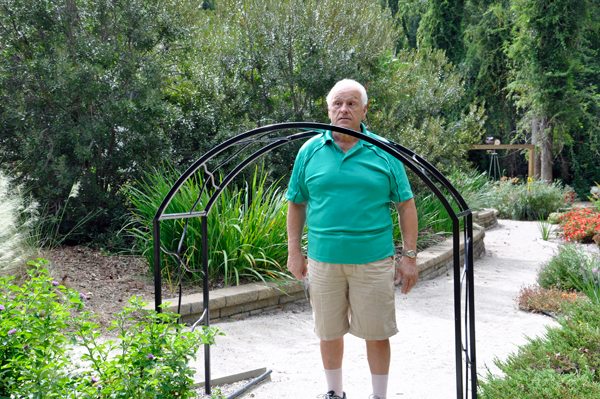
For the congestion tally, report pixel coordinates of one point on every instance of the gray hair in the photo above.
(348, 83)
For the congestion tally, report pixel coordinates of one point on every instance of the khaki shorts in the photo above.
(358, 299)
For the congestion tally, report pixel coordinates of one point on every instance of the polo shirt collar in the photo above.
(328, 135)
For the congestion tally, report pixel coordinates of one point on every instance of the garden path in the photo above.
(423, 351)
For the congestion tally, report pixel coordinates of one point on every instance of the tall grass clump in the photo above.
(532, 200)
(433, 217)
(246, 227)
(17, 219)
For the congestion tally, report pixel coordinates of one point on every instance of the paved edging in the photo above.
(486, 218)
(250, 299)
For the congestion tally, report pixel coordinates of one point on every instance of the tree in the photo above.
(409, 103)
(284, 56)
(551, 65)
(441, 28)
(487, 65)
(81, 98)
(408, 15)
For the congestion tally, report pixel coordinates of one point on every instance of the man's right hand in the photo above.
(297, 265)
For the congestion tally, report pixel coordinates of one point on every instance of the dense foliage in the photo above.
(570, 262)
(247, 228)
(92, 94)
(41, 322)
(561, 364)
(533, 200)
(82, 98)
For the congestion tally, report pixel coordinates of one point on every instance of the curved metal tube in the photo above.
(411, 160)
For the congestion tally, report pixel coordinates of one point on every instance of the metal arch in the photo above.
(414, 162)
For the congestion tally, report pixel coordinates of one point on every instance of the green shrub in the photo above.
(561, 364)
(532, 200)
(553, 218)
(246, 227)
(595, 198)
(473, 186)
(40, 322)
(571, 261)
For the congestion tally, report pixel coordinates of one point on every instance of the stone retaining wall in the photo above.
(486, 218)
(254, 298)
(438, 260)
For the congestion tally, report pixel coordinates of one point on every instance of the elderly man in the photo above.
(342, 187)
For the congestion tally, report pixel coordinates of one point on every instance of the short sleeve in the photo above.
(401, 190)
(297, 191)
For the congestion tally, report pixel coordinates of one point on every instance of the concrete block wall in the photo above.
(486, 218)
(250, 299)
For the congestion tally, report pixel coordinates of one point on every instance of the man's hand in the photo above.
(297, 265)
(408, 273)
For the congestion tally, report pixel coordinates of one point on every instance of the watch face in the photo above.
(410, 254)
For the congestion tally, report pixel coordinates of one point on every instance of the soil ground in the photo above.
(107, 281)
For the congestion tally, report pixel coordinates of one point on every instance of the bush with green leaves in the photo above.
(41, 322)
(152, 354)
(82, 99)
(532, 200)
(562, 364)
(32, 317)
(411, 101)
(246, 227)
(570, 261)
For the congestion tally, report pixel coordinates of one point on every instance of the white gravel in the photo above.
(423, 364)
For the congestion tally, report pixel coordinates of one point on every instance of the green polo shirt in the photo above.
(348, 194)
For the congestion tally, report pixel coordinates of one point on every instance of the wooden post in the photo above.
(532, 162)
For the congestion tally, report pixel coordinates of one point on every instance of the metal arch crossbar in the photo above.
(435, 180)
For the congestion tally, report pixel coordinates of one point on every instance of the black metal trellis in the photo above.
(264, 135)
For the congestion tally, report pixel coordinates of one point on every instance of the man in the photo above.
(342, 187)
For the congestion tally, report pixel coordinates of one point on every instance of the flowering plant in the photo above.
(537, 299)
(580, 224)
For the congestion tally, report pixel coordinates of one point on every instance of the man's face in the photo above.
(346, 109)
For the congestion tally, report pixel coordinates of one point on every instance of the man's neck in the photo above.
(344, 141)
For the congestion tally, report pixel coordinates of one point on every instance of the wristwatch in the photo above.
(411, 254)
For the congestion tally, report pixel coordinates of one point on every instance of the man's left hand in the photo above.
(408, 273)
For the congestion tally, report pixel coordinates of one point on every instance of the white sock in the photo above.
(334, 381)
(380, 383)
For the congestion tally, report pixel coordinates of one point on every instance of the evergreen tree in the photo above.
(551, 63)
(81, 99)
(441, 28)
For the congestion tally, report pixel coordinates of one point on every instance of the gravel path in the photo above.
(423, 351)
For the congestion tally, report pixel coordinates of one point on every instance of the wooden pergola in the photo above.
(529, 147)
